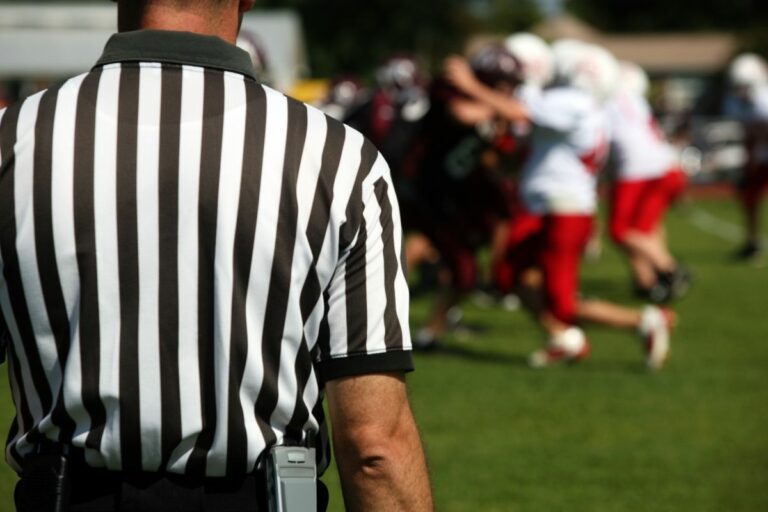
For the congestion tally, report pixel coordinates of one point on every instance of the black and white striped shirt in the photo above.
(187, 256)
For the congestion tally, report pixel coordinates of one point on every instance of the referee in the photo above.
(190, 262)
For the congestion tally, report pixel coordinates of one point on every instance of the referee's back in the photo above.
(187, 256)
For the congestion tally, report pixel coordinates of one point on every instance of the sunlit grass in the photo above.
(603, 435)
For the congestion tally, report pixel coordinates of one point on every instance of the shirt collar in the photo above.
(176, 48)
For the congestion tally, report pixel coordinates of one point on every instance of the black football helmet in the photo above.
(494, 65)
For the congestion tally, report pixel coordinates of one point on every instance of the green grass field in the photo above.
(603, 435)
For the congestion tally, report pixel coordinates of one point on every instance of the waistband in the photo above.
(77, 464)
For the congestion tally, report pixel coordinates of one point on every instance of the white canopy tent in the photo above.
(58, 40)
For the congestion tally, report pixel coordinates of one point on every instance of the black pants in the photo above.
(94, 490)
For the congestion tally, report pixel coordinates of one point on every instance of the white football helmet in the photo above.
(565, 53)
(588, 67)
(535, 56)
(748, 70)
(632, 79)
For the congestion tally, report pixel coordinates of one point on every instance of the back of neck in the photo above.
(161, 16)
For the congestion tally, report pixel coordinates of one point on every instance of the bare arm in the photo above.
(458, 73)
(378, 451)
(470, 112)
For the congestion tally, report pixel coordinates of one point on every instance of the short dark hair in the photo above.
(182, 3)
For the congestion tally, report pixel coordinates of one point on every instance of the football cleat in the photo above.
(681, 281)
(570, 346)
(750, 253)
(655, 327)
(661, 291)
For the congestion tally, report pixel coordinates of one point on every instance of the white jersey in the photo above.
(751, 111)
(568, 144)
(641, 151)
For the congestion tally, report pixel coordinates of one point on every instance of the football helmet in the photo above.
(633, 79)
(588, 67)
(248, 41)
(535, 56)
(748, 70)
(400, 72)
(494, 65)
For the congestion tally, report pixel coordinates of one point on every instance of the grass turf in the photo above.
(603, 435)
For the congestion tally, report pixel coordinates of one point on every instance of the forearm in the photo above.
(377, 445)
(507, 107)
(460, 75)
(392, 478)
(499, 241)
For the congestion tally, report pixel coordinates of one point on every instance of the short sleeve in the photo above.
(5, 338)
(2, 114)
(367, 298)
(4, 334)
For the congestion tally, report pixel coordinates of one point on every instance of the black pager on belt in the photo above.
(45, 483)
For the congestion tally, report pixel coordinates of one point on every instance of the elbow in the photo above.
(372, 453)
(376, 466)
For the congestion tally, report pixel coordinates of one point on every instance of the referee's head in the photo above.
(213, 17)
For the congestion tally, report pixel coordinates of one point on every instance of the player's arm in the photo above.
(470, 112)
(378, 451)
(500, 241)
(458, 73)
(377, 446)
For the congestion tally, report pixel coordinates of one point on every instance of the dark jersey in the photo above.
(458, 178)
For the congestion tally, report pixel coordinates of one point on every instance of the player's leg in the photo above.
(751, 194)
(459, 258)
(652, 324)
(514, 249)
(422, 258)
(418, 249)
(675, 184)
(565, 238)
(656, 199)
(626, 201)
(658, 275)
(608, 314)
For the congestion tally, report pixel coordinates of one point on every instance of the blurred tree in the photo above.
(748, 17)
(354, 36)
(505, 16)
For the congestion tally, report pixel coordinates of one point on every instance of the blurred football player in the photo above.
(345, 94)
(462, 195)
(647, 179)
(569, 143)
(747, 102)
(251, 43)
(391, 116)
(537, 71)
